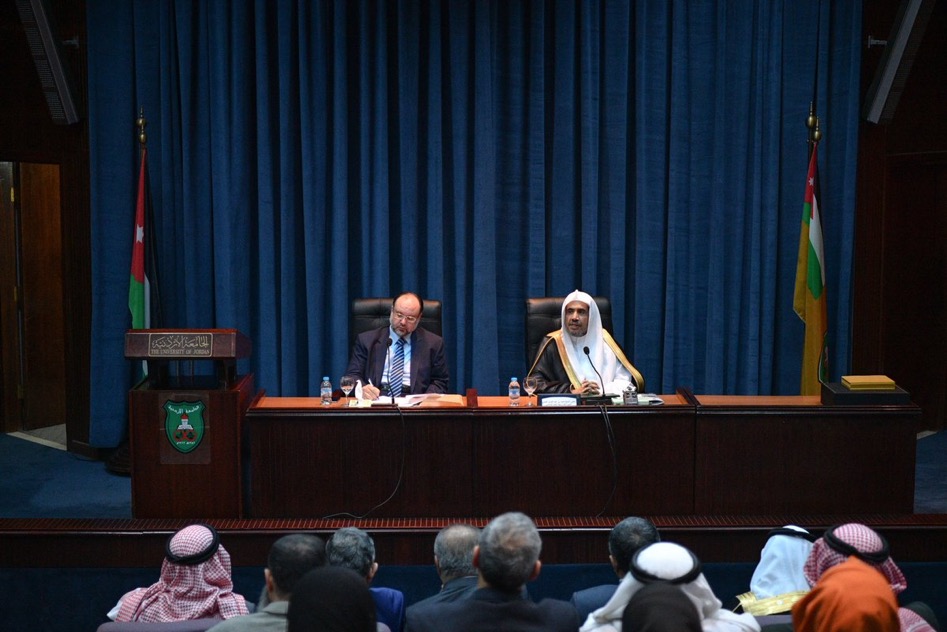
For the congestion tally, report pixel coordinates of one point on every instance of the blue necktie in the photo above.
(397, 369)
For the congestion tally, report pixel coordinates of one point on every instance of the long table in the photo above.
(692, 455)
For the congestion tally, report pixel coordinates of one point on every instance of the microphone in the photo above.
(600, 380)
(391, 393)
(601, 398)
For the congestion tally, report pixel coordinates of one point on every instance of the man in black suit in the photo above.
(453, 557)
(625, 539)
(506, 558)
(416, 361)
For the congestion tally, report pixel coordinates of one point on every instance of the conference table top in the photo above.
(266, 402)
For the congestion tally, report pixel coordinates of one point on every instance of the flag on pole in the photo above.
(138, 286)
(809, 300)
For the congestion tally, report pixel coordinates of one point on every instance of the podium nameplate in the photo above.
(186, 344)
(159, 347)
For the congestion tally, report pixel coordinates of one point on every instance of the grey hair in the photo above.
(509, 549)
(350, 547)
(454, 546)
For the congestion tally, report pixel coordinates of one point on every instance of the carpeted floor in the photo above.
(43, 481)
(40, 481)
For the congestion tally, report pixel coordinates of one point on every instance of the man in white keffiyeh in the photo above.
(778, 581)
(571, 358)
(673, 564)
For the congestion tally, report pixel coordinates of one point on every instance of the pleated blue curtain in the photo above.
(306, 153)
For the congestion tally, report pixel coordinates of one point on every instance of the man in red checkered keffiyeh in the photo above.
(843, 541)
(195, 582)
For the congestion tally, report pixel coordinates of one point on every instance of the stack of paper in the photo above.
(868, 383)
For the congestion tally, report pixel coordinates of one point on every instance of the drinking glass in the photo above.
(347, 383)
(530, 386)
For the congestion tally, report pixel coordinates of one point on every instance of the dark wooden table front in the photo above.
(305, 460)
(724, 455)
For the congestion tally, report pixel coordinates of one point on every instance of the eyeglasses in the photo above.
(408, 319)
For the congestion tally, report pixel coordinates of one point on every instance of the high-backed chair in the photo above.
(544, 314)
(372, 313)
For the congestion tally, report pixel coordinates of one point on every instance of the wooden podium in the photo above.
(185, 430)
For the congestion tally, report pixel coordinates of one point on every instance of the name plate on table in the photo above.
(558, 399)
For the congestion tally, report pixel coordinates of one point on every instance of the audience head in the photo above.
(664, 562)
(454, 549)
(781, 561)
(195, 582)
(839, 543)
(660, 607)
(352, 548)
(670, 563)
(331, 599)
(852, 595)
(508, 554)
(291, 557)
(626, 538)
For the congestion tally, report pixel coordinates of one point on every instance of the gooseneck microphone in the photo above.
(601, 382)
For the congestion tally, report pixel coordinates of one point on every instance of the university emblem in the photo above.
(184, 424)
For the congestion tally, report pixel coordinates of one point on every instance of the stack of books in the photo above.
(864, 389)
(868, 383)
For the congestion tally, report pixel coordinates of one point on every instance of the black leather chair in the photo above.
(544, 314)
(372, 313)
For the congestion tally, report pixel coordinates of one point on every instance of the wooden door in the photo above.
(31, 298)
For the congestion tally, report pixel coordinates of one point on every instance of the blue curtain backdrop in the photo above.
(304, 153)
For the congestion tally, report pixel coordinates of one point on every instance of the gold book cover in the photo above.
(868, 382)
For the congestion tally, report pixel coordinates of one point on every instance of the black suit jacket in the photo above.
(454, 590)
(428, 360)
(488, 609)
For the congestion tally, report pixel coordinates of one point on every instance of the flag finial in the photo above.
(812, 122)
(141, 123)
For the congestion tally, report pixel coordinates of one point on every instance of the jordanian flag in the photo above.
(138, 290)
(809, 300)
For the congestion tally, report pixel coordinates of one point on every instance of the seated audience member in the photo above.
(506, 557)
(195, 583)
(354, 549)
(839, 543)
(778, 581)
(660, 607)
(331, 599)
(625, 539)
(669, 563)
(562, 364)
(418, 356)
(850, 596)
(291, 557)
(453, 559)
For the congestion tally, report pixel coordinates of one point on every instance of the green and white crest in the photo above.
(184, 424)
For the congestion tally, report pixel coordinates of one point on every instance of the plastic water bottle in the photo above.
(514, 392)
(326, 391)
